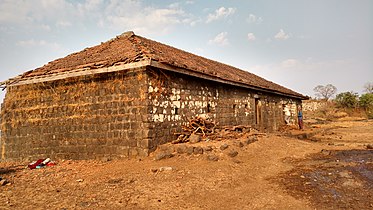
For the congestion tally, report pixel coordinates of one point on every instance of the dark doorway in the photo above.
(258, 112)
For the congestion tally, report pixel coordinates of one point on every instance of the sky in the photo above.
(295, 43)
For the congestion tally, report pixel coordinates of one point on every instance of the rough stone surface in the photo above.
(190, 150)
(194, 138)
(198, 150)
(212, 157)
(181, 149)
(208, 149)
(163, 155)
(123, 114)
(224, 146)
(232, 153)
(251, 139)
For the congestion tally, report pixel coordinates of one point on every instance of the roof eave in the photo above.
(220, 80)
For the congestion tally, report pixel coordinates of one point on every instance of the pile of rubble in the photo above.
(203, 136)
(199, 128)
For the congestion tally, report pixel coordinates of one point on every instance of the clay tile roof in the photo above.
(129, 48)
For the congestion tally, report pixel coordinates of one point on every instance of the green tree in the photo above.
(347, 99)
(366, 100)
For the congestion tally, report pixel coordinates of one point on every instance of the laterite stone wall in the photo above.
(80, 118)
(174, 98)
(124, 114)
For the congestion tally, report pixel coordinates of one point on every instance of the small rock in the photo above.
(212, 157)
(208, 149)
(251, 139)
(224, 146)
(106, 159)
(303, 177)
(198, 150)
(236, 161)
(325, 152)
(194, 138)
(154, 170)
(3, 182)
(240, 144)
(190, 150)
(166, 168)
(80, 180)
(370, 146)
(163, 155)
(181, 149)
(233, 153)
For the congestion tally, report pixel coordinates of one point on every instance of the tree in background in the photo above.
(366, 100)
(368, 87)
(325, 92)
(347, 99)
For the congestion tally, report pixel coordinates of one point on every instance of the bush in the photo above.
(347, 99)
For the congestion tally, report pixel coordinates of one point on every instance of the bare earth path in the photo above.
(257, 178)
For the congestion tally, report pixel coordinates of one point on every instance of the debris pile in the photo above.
(197, 125)
(199, 128)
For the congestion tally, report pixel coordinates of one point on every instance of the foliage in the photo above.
(368, 87)
(347, 99)
(325, 92)
(366, 100)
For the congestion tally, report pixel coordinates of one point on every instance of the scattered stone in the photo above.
(212, 157)
(166, 168)
(106, 159)
(181, 149)
(325, 152)
(3, 182)
(236, 161)
(240, 144)
(232, 153)
(303, 177)
(208, 149)
(154, 170)
(194, 138)
(115, 181)
(163, 155)
(251, 139)
(80, 180)
(190, 150)
(370, 146)
(198, 150)
(224, 146)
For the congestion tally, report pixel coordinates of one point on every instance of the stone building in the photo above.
(125, 96)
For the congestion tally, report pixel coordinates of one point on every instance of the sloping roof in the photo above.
(129, 48)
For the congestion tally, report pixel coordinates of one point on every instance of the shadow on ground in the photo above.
(333, 179)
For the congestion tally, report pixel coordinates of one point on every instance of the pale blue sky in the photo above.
(296, 43)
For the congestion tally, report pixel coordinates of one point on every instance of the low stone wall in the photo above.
(313, 105)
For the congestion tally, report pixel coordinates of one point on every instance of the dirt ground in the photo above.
(326, 166)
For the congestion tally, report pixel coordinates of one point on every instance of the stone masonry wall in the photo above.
(81, 118)
(174, 98)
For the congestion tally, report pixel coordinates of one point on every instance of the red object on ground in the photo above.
(51, 164)
(34, 164)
